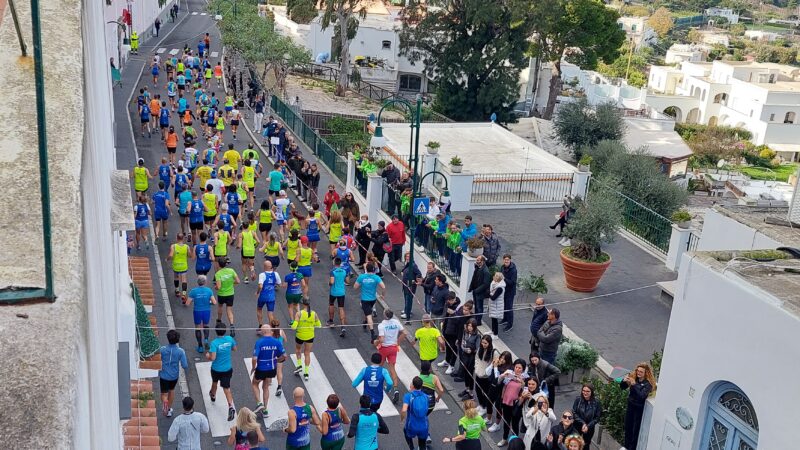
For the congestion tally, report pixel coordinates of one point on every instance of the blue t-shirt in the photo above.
(172, 358)
(367, 431)
(180, 180)
(337, 288)
(145, 114)
(369, 286)
(160, 199)
(202, 255)
(182, 105)
(268, 349)
(196, 213)
(374, 378)
(142, 212)
(293, 283)
(222, 346)
(211, 116)
(275, 178)
(414, 423)
(163, 118)
(270, 280)
(184, 199)
(344, 255)
(201, 298)
(232, 198)
(225, 219)
(165, 174)
(172, 88)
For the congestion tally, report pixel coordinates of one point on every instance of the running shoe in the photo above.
(396, 397)
(298, 370)
(442, 363)
(169, 413)
(200, 349)
(206, 346)
(233, 331)
(279, 391)
(212, 395)
(343, 333)
(329, 323)
(231, 413)
(259, 408)
(246, 280)
(305, 377)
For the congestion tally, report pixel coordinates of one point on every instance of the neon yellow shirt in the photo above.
(180, 258)
(306, 324)
(428, 342)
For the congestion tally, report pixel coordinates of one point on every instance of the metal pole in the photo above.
(22, 47)
(414, 184)
(41, 123)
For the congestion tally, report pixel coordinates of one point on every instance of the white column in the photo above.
(580, 183)
(351, 175)
(374, 194)
(460, 186)
(467, 269)
(428, 166)
(678, 242)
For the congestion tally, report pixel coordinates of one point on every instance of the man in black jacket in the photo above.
(428, 282)
(451, 329)
(363, 239)
(439, 295)
(550, 336)
(411, 278)
(509, 270)
(479, 286)
(538, 319)
(391, 175)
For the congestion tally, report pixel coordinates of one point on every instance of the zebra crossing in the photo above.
(318, 387)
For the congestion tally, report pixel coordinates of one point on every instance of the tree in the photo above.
(343, 14)
(714, 143)
(635, 71)
(301, 11)
(661, 21)
(579, 125)
(694, 36)
(582, 31)
(473, 51)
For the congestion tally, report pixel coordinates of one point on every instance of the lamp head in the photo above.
(377, 140)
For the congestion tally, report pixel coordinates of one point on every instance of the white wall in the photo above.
(714, 336)
(144, 14)
(723, 233)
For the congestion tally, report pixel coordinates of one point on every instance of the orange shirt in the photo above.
(187, 117)
(172, 140)
(155, 107)
(218, 71)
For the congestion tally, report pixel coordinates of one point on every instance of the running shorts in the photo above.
(224, 378)
(203, 317)
(338, 299)
(367, 306)
(226, 300)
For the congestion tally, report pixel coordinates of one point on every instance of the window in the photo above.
(772, 117)
(410, 83)
(731, 422)
(633, 27)
(386, 45)
(789, 117)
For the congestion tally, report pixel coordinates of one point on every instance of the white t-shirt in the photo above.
(282, 203)
(389, 330)
(262, 277)
(217, 185)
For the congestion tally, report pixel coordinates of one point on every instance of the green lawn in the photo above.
(780, 173)
(775, 28)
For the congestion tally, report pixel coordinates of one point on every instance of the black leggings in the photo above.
(510, 420)
(482, 390)
(495, 327)
(420, 441)
(450, 348)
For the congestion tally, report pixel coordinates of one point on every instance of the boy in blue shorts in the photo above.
(162, 208)
(202, 297)
(295, 287)
(268, 281)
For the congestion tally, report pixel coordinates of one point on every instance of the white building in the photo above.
(378, 37)
(713, 37)
(761, 35)
(679, 53)
(734, 320)
(728, 13)
(637, 30)
(763, 98)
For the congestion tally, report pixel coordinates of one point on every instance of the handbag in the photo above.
(387, 247)
(544, 390)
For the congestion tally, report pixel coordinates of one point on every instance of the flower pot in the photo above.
(583, 167)
(564, 378)
(579, 374)
(582, 276)
(475, 252)
(456, 168)
(432, 150)
(685, 225)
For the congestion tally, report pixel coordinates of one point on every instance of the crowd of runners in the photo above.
(211, 185)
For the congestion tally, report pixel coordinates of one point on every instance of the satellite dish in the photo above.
(721, 163)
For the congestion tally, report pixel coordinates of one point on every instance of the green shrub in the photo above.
(342, 125)
(574, 355)
(766, 152)
(687, 130)
(681, 215)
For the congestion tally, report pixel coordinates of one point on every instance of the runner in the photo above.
(210, 201)
(369, 283)
(376, 380)
(184, 201)
(155, 112)
(268, 281)
(203, 173)
(265, 215)
(226, 280)
(431, 386)
(226, 173)
(162, 210)
(304, 257)
(203, 256)
(172, 92)
(430, 340)
(301, 416)
(203, 298)
(278, 334)
(163, 120)
(315, 221)
(232, 201)
(220, 127)
(332, 422)
(171, 142)
(365, 426)
(216, 184)
(415, 415)
(207, 77)
(337, 294)
(179, 253)
(211, 120)
(469, 429)
(183, 180)
(275, 179)
(295, 287)
(141, 177)
(267, 353)
(154, 70)
(196, 210)
(233, 157)
(335, 230)
(218, 74)
(283, 208)
(228, 106)
(236, 117)
(172, 359)
(292, 245)
(346, 256)
(247, 242)
(390, 333)
(221, 368)
(249, 178)
(142, 221)
(305, 322)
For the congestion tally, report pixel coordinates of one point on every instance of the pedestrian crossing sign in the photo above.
(421, 206)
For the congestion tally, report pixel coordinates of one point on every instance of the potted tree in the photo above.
(432, 147)
(682, 218)
(532, 284)
(595, 223)
(456, 164)
(475, 246)
(584, 162)
(575, 359)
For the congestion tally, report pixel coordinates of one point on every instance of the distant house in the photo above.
(731, 15)
(659, 138)
(760, 35)
(636, 29)
(679, 53)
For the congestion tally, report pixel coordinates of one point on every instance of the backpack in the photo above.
(419, 405)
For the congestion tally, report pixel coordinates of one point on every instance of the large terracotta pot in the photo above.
(582, 276)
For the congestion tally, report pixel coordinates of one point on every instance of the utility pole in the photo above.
(630, 56)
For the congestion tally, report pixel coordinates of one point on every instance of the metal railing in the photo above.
(326, 154)
(694, 240)
(493, 188)
(644, 223)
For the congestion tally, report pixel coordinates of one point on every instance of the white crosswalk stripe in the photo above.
(203, 14)
(214, 54)
(407, 370)
(277, 407)
(174, 51)
(353, 363)
(194, 13)
(217, 412)
(318, 387)
(161, 50)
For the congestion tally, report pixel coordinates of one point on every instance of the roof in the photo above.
(657, 136)
(483, 147)
(780, 86)
(756, 218)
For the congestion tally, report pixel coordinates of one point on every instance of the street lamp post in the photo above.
(379, 141)
(219, 11)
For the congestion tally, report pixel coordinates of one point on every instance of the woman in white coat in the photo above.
(539, 420)
(496, 290)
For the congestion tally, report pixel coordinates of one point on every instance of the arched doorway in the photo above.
(694, 115)
(675, 112)
(730, 420)
(712, 121)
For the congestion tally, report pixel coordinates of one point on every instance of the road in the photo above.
(335, 357)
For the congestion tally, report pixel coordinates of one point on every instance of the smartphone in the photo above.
(540, 404)
(525, 389)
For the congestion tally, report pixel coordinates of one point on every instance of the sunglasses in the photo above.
(566, 417)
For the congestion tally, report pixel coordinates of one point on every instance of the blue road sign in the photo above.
(421, 206)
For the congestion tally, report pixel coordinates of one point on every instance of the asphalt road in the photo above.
(443, 422)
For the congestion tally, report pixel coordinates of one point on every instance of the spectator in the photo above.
(558, 434)
(538, 319)
(479, 286)
(470, 231)
(439, 295)
(391, 175)
(509, 270)
(303, 179)
(642, 383)
(350, 210)
(380, 242)
(491, 245)
(331, 198)
(538, 420)
(411, 277)
(587, 412)
(187, 427)
(363, 232)
(546, 374)
(313, 184)
(452, 327)
(496, 290)
(428, 282)
(397, 237)
(258, 118)
(550, 336)
(468, 347)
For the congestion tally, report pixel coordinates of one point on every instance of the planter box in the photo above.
(565, 378)
(579, 374)
(475, 252)
(456, 169)
(603, 441)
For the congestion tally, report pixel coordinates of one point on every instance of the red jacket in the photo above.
(329, 200)
(396, 232)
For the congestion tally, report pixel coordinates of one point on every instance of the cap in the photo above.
(304, 239)
(140, 161)
(282, 192)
